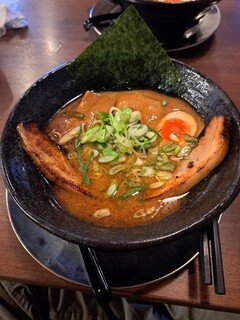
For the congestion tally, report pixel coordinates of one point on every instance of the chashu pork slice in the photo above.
(209, 153)
(50, 160)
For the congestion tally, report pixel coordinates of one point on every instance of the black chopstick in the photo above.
(211, 236)
(205, 258)
(217, 259)
(97, 279)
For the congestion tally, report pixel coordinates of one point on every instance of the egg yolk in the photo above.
(173, 129)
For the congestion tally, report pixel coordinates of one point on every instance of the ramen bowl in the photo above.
(170, 21)
(34, 195)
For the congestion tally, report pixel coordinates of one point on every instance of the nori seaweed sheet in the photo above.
(126, 55)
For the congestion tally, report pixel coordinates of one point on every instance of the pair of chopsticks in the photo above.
(211, 257)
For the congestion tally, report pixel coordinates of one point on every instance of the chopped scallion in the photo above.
(77, 145)
(164, 103)
(169, 147)
(133, 191)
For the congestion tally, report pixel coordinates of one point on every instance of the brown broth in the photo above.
(128, 213)
(107, 211)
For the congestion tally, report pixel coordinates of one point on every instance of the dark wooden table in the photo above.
(55, 35)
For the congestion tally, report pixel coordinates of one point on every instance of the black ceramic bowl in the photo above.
(33, 194)
(168, 20)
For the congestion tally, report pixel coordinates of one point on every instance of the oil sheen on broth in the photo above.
(118, 173)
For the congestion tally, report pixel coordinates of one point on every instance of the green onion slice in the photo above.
(169, 147)
(133, 191)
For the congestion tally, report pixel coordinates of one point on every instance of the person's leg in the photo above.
(21, 302)
(186, 313)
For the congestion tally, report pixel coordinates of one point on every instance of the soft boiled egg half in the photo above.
(175, 124)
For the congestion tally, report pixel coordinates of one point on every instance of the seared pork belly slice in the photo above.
(50, 160)
(209, 153)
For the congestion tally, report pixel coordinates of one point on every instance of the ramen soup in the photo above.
(125, 145)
